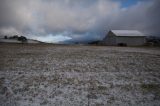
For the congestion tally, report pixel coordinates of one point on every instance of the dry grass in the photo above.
(79, 75)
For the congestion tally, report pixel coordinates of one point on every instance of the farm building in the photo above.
(124, 38)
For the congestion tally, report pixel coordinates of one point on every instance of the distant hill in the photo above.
(154, 40)
(2, 40)
(17, 39)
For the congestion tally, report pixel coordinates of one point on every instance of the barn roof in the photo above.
(127, 33)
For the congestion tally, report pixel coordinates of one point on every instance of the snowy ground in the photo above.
(48, 75)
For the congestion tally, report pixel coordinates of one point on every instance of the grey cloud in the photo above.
(81, 19)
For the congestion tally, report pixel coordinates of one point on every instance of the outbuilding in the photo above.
(124, 38)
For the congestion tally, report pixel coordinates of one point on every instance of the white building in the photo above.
(124, 37)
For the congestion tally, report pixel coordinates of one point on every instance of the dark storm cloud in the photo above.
(153, 15)
(77, 19)
(144, 17)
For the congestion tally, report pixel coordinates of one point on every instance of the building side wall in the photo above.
(110, 39)
(131, 41)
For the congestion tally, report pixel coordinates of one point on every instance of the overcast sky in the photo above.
(58, 20)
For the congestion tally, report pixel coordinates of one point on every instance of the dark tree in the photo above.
(5, 37)
(22, 39)
(15, 37)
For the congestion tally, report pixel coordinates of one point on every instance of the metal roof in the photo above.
(127, 33)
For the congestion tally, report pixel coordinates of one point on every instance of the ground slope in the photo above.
(51, 75)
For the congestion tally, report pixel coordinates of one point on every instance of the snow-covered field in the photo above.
(48, 75)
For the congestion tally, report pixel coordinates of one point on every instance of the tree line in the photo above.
(23, 39)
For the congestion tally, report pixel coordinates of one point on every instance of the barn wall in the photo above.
(110, 39)
(131, 41)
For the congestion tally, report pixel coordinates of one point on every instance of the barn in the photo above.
(124, 37)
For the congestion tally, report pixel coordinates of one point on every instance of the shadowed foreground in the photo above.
(51, 75)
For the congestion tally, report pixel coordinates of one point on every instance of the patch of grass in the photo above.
(111, 99)
(151, 88)
(127, 87)
(99, 104)
(102, 88)
(92, 96)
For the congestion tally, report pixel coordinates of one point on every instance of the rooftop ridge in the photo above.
(127, 33)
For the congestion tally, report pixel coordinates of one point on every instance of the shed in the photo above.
(124, 37)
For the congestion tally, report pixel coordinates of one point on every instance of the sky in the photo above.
(128, 3)
(77, 20)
